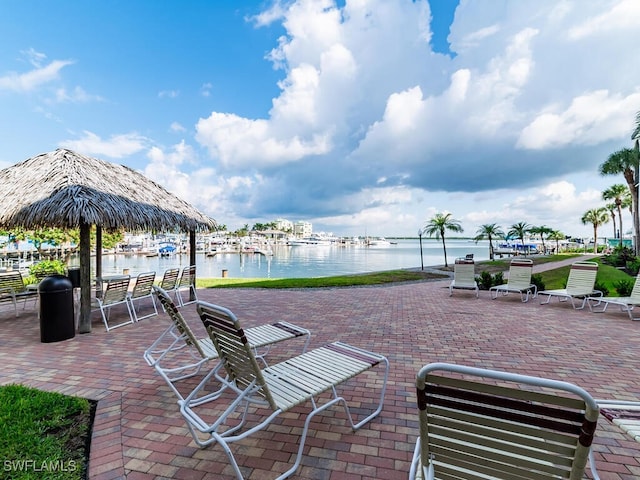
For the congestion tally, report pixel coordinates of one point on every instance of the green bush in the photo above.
(624, 287)
(42, 269)
(633, 266)
(619, 257)
(536, 279)
(601, 287)
(486, 280)
(498, 279)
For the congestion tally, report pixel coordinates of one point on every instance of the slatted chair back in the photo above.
(520, 271)
(115, 290)
(180, 324)
(170, 279)
(142, 289)
(464, 276)
(12, 288)
(187, 282)
(234, 350)
(143, 285)
(477, 423)
(635, 293)
(582, 278)
(12, 281)
(464, 272)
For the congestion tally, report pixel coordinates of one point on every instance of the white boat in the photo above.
(378, 242)
(312, 240)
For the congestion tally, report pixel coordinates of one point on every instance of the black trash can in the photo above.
(57, 321)
(74, 276)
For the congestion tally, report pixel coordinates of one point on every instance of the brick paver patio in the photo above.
(139, 434)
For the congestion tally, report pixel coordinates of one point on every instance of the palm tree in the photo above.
(489, 231)
(596, 217)
(625, 162)
(616, 193)
(542, 231)
(519, 230)
(437, 226)
(611, 208)
(556, 235)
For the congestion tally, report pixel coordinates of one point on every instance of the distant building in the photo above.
(284, 225)
(302, 229)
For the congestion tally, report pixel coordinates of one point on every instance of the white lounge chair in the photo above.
(519, 280)
(624, 414)
(485, 424)
(626, 303)
(275, 389)
(464, 276)
(115, 291)
(178, 354)
(580, 285)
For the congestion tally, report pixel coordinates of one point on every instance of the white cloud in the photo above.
(616, 17)
(590, 119)
(176, 127)
(365, 108)
(77, 95)
(117, 146)
(169, 94)
(31, 80)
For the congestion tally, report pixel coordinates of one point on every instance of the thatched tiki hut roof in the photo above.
(68, 190)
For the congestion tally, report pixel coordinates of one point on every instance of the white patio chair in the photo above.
(143, 289)
(179, 354)
(580, 285)
(275, 389)
(519, 280)
(625, 414)
(485, 424)
(13, 288)
(115, 291)
(187, 282)
(464, 276)
(626, 304)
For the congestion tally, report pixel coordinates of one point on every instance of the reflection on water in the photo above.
(304, 261)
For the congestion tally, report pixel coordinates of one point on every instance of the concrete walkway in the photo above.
(139, 434)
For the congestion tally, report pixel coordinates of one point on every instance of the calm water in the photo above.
(305, 261)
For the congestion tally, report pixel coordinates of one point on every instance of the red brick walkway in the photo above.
(139, 434)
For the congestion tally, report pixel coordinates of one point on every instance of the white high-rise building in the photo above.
(302, 229)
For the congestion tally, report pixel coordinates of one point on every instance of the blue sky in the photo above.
(358, 115)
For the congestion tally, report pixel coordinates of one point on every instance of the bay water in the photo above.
(304, 261)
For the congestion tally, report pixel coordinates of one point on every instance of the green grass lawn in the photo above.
(376, 278)
(43, 434)
(607, 277)
(553, 279)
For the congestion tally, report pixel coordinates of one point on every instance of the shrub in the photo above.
(536, 279)
(624, 287)
(633, 266)
(602, 288)
(498, 279)
(486, 280)
(39, 270)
